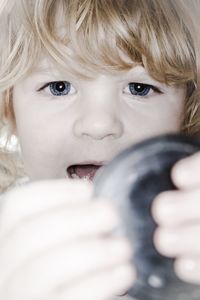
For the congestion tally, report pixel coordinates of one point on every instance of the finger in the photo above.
(188, 269)
(100, 286)
(178, 242)
(176, 208)
(68, 264)
(36, 197)
(29, 238)
(186, 172)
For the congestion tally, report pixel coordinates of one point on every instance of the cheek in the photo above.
(41, 138)
(169, 116)
(153, 120)
(44, 153)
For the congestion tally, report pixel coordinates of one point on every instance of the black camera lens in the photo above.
(131, 181)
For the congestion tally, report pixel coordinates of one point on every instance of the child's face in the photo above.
(92, 120)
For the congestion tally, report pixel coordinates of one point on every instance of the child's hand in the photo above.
(53, 244)
(178, 214)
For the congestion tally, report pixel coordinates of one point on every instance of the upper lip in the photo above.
(89, 162)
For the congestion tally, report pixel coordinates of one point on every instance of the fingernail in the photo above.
(188, 265)
(182, 171)
(166, 242)
(164, 207)
(170, 238)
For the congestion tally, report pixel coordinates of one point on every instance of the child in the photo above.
(80, 81)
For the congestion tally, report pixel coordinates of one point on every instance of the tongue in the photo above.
(86, 171)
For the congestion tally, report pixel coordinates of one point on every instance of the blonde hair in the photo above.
(86, 37)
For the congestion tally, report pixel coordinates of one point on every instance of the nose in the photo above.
(98, 125)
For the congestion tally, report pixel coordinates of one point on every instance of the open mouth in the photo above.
(84, 171)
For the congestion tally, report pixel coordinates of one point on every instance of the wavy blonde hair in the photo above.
(86, 37)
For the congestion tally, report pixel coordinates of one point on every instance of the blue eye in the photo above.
(58, 88)
(139, 89)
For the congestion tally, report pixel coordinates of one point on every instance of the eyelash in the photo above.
(143, 91)
(65, 84)
(135, 88)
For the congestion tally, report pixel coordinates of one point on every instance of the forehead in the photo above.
(46, 67)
